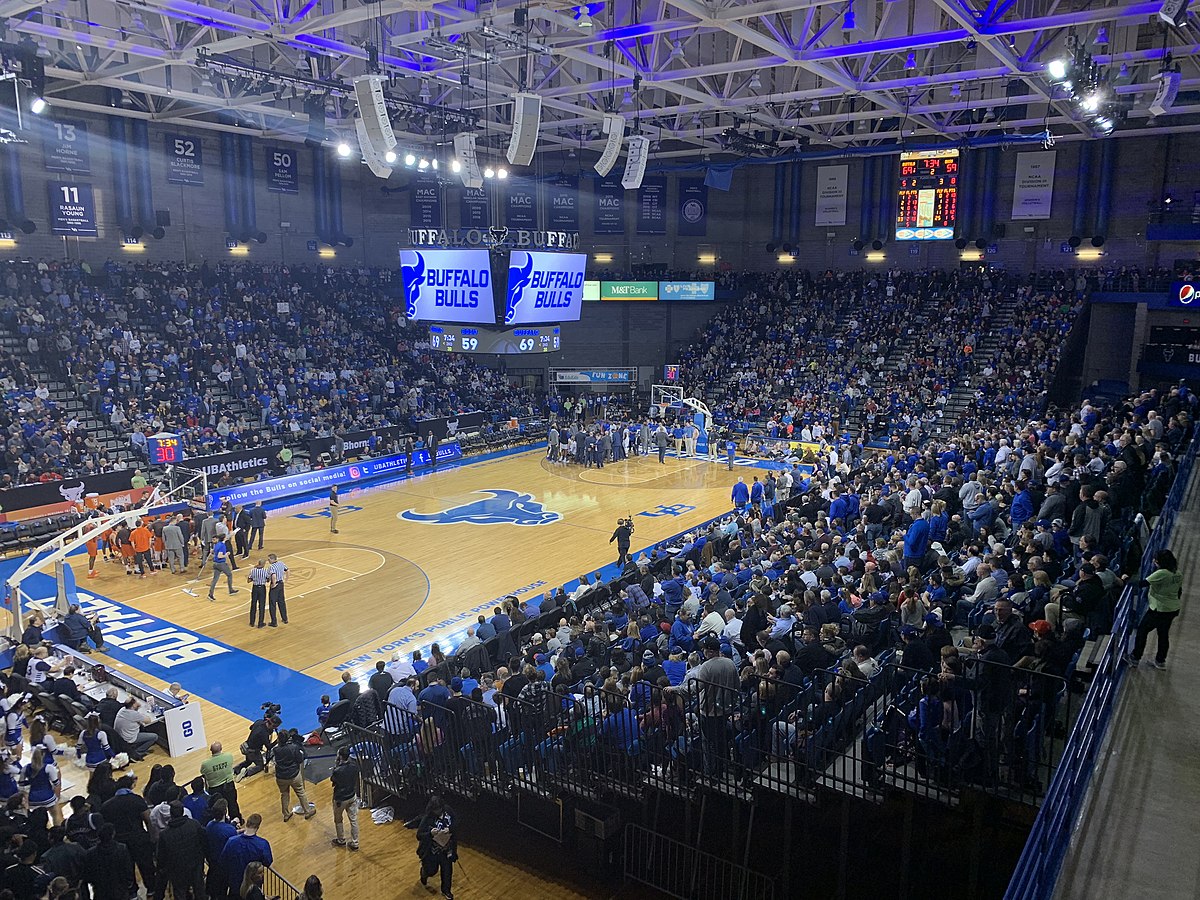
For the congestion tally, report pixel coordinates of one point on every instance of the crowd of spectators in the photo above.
(227, 356)
(810, 350)
(736, 649)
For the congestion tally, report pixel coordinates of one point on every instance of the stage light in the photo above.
(910, 62)
(455, 166)
(423, 165)
(343, 149)
(502, 173)
(1057, 69)
(390, 157)
(38, 105)
(434, 164)
(489, 172)
(410, 160)
(1091, 103)
(583, 19)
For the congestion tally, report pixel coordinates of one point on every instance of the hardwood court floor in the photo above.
(384, 578)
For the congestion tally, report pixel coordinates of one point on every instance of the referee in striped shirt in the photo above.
(278, 578)
(259, 577)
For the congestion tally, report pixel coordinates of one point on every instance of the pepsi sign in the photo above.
(447, 285)
(544, 287)
(1185, 293)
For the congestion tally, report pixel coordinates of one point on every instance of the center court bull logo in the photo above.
(501, 507)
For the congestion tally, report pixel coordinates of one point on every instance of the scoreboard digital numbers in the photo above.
(164, 449)
(927, 197)
(465, 339)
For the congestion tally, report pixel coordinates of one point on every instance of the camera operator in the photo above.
(258, 746)
(622, 536)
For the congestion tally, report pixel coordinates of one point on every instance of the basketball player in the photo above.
(278, 579)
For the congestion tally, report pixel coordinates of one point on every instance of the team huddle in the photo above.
(605, 441)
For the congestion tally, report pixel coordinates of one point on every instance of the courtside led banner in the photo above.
(687, 290)
(629, 290)
(447, 285)
(544, 287)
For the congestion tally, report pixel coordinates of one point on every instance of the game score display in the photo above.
(927, 196)
(464, 339)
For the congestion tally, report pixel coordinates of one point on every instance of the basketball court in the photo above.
(414, 562)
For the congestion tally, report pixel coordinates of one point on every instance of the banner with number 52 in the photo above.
(185, 160)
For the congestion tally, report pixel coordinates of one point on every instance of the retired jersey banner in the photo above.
(652, 205)
(521, 204)
(283, 170)
(831, 195)
(693, 207)
(473, 208)
(65, 146)
(425, 203)
(608, 206)
(1033, 187)
(185, 159)
(562, 202)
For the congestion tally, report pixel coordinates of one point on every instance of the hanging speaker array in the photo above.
(614, 127)
(527, 121)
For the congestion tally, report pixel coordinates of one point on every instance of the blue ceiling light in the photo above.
(848, 18)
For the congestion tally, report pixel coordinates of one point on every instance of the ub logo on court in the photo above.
(499, 508)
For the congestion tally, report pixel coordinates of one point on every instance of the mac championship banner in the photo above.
(562, 203)
(608, 206)
(521, 204)
(831, 195)
(652, 205)
(1033, 188)
(425, 203)
(693, 207)
(473, 208)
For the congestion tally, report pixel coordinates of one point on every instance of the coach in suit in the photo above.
(258, 522)
(173, 544)
(242, 525)
(661, 440)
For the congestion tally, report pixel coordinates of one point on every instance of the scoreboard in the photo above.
(164, 449)
(465, 339)
(927, 196)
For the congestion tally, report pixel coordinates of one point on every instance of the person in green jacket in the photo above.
(1166, 589)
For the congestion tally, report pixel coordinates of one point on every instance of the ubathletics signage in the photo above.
(322, 479)
(238, 463)
(544, 287)
(447, 285)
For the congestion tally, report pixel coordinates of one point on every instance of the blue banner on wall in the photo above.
(473, 208)
(65, 146)
(521, 205)
(693, 207)
(322, 479)
(562, 204)
(425, 202)
(185, 159)
(283, 170)
(72, 209)
(652, 205)
(608, 206)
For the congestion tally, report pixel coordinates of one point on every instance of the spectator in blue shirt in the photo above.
(682, 631)
(243, 849)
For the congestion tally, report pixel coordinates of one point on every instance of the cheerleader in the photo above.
(42, 781)
(93, 745)
(40, 736)
(14, 725)
(9, 771)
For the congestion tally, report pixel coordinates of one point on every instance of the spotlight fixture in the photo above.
(1101, 36)
(455, 166)
(583, 19)
(38, 106)
(410, 159)
(676, 51)
(489, 172)
(423, 164)
(343, 149)
(502, 173)
(815, 107)
(955, 91)
(910, 61)
(390, 157)
(1057, 69)
(755, 82)
(848, 18)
